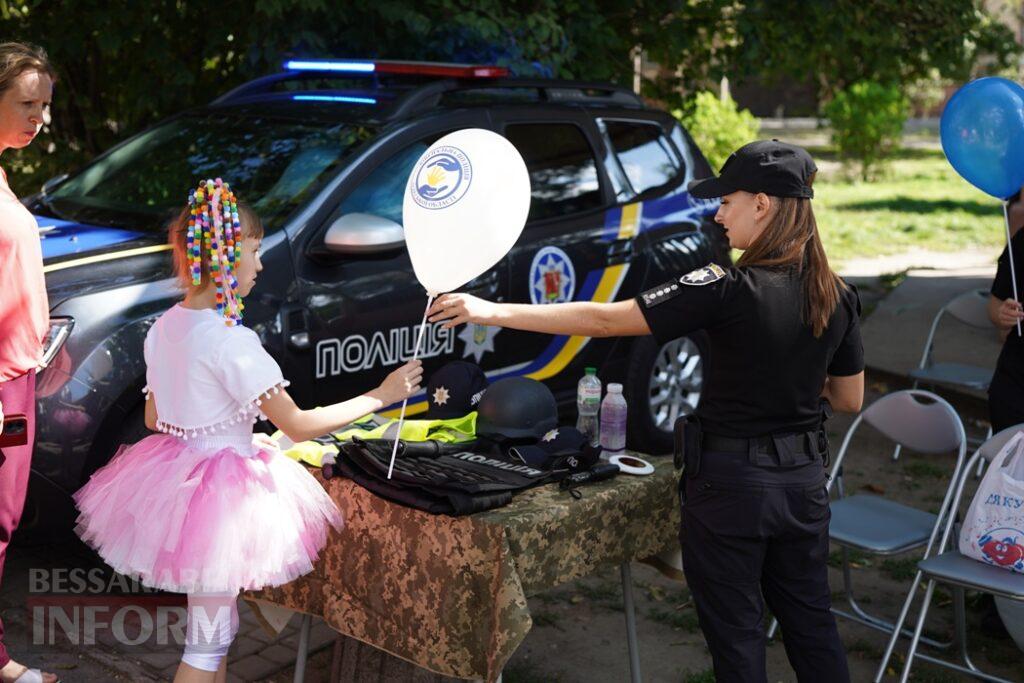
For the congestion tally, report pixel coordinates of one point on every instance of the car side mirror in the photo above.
(54, 182)
(363, 233)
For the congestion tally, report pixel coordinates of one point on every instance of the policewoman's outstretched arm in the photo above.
(584, 318)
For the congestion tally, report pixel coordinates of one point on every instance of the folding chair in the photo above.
(925, 423)
(948, 566)
(970, 308)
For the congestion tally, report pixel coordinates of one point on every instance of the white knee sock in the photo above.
(212, 625)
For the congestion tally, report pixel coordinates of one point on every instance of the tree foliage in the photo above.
(124, 65)
(892, 42)
(867, 122)
(718, 126)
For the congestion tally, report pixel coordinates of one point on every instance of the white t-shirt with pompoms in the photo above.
(208, 379)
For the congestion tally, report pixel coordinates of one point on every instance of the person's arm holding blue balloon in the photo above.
(1003, 310)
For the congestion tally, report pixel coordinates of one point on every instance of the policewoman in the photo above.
(785, 349)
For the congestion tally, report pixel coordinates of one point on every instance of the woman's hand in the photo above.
(458, 309)
(401, 384)
(1009, 314)
(1, 418)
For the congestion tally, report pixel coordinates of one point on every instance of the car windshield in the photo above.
(274, 164)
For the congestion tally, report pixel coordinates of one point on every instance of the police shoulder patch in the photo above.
(703, 276)
(660, 294)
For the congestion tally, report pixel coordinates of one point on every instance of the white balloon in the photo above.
(465, 206)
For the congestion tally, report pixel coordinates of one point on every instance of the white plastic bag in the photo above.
(993, 531)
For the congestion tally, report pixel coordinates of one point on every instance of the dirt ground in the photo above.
(578, 630)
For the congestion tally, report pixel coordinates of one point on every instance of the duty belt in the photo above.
(786, 447)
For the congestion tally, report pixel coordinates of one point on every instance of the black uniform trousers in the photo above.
(751, 528)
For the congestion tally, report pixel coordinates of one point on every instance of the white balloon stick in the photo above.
(1009, 252)
(405, 401)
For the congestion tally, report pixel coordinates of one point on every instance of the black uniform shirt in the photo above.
(1012, 357)
(766, 370)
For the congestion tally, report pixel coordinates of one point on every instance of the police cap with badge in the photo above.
(775, 168)
(455, 390)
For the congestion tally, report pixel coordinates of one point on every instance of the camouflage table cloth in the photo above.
(449, 593)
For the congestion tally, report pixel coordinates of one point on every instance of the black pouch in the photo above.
(825, 409)
(687, 445)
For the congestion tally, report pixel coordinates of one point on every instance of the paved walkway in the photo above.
(896, 330)
(253, 656)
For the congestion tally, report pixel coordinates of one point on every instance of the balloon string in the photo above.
(415, 355)
(1009, 252)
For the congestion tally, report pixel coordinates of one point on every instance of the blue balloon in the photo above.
(982, 132)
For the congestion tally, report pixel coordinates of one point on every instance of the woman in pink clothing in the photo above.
(26, 85)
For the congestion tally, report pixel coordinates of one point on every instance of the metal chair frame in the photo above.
(970, 308)
(988, 451)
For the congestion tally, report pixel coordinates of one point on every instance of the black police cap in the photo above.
(776, 168)
(454, 390)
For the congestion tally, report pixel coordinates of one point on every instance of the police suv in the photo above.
(323, 150)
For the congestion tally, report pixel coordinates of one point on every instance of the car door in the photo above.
(362, 312)
(572, 248)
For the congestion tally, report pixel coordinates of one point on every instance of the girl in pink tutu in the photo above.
(206, 507)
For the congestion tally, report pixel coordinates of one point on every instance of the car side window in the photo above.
(382, 192)
(643, 152)
(679, 138)
(562, 168)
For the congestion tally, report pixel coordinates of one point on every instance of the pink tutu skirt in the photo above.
(188, 520)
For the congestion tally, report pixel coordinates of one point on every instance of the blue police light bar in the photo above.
(398, 68)
(324, 65)
(335, 98)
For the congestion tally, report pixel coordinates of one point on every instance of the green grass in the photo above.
(918, 202)
(924, 468)
(706, 676)
(901, 570)
(858, 558)
(684, 620)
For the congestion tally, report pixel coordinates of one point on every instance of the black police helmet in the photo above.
(516, 408)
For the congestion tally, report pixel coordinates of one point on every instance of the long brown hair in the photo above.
(177, 237)
(791, 238)
(17, 58)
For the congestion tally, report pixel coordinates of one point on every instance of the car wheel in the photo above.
(663, 383)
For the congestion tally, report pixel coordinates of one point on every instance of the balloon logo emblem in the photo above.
(441, 179)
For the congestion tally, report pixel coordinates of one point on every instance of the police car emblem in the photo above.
(703, 276)
(552, 277)
(442, 178)
(479, 339)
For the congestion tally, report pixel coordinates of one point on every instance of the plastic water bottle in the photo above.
(613, 421)
(588, 403)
